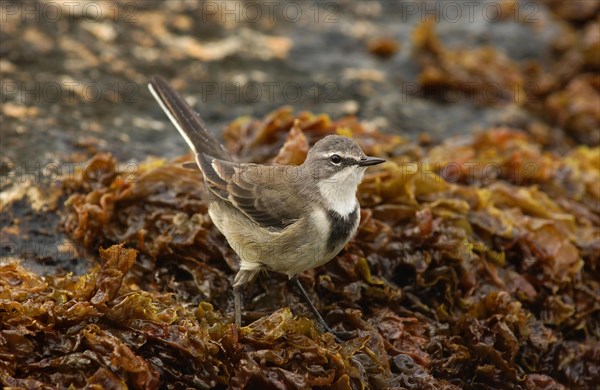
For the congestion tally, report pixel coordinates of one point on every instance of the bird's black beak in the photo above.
(368, 161)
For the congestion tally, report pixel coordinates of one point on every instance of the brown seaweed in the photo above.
(475, 265)
(568, 93)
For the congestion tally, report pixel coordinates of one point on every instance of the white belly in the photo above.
(299, 247)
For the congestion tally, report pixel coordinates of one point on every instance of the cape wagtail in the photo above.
(282, 218)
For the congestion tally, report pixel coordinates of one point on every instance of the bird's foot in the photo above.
(343, 335)
(339, 335)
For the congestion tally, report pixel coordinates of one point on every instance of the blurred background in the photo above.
(74, 81)
(74, 73)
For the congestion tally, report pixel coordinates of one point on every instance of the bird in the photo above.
(282, 218)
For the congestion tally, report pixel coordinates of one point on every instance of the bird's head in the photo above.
(338, 164)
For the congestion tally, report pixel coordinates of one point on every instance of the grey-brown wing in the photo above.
(251, 188)
(266, 194)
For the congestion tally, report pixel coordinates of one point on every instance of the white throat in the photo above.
(339, 191)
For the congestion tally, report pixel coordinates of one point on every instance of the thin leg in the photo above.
(237, 305)
(243, 276)
(294, 280)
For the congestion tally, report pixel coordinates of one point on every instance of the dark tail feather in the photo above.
(186, 120)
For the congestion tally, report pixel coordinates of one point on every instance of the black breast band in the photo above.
(341, 228)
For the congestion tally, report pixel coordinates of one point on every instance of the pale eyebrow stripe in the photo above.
(341, 154)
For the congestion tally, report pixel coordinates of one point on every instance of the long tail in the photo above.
(186, 120)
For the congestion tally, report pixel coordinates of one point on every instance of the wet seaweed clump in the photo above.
(565, 91)
(476, 265)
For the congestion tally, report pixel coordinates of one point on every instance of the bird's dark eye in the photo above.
(335, 159)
